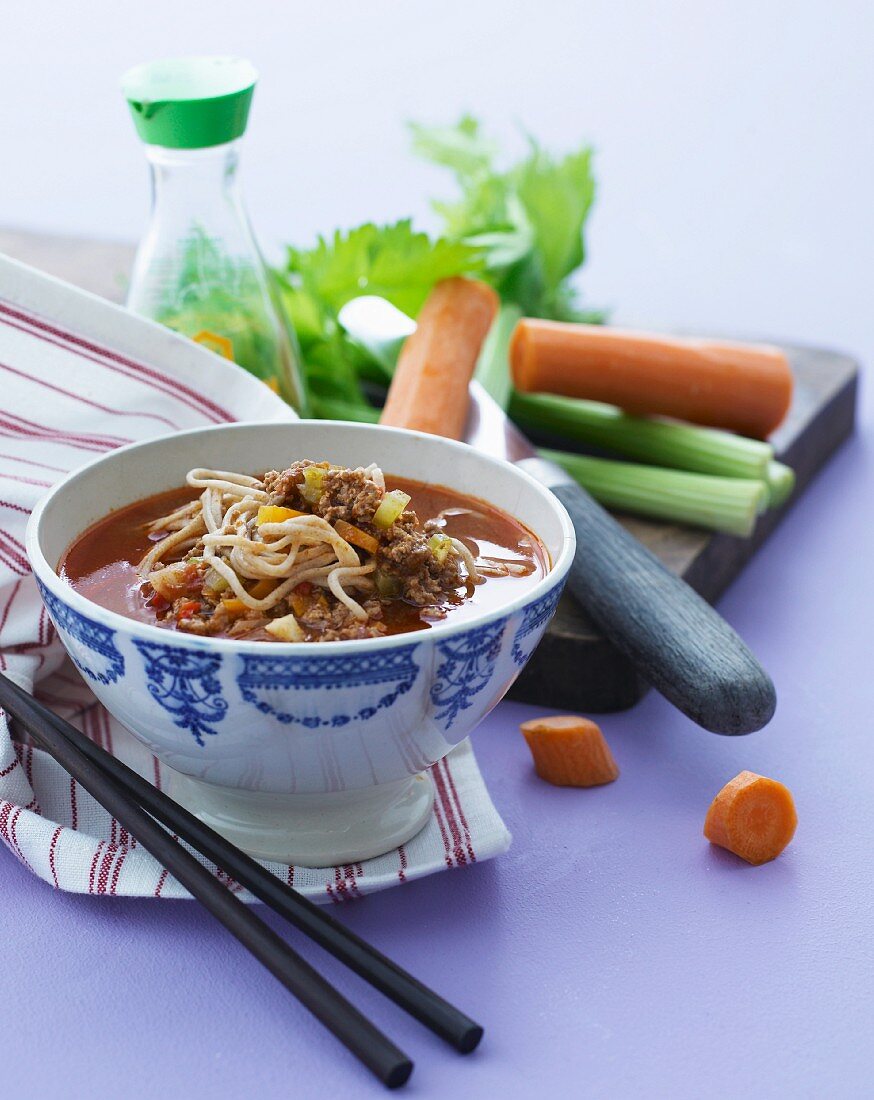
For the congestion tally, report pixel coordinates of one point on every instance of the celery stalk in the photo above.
(728, 504)
(657, 442)
(780, 480)
(391, 506)
(440, 545)
(493, 366)
(313, 483)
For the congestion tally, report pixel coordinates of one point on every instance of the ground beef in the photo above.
(199, 624)
(214, 619)
(348, 495)
(433, 613)
(404, 553)
(282, 485)
(334, 622)
(247, 624)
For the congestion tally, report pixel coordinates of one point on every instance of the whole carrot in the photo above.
(429, 388)
(744, 388)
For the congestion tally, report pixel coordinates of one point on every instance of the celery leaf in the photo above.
(393, 261)
(529, 219)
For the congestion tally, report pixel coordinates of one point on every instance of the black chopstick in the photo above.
(418, 1000)
(350, 1026)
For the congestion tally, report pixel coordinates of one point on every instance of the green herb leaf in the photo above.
(393, 261)
(528, 219)
(557, 196)
(460, 147)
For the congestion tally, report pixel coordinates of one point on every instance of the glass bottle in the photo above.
(198, 268)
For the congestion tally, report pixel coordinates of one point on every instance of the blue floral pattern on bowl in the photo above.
(271, 682)
(466, 669)
(95, 654)
(533, 624)
(185, 683)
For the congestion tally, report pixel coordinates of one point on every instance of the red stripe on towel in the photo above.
(87, 401)
(32, 462)
(402, 858)
(12, 559)
(447, 847)
(117, 870)
(52, 845)
(468, 843)
(128, 367)
(31, 429)
(449, 810)
(14, 549)
(9, 769)
(93, 870)
(27, 480)
(109, 857)
(13, 824)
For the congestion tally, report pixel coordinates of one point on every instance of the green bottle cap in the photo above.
(190, 102)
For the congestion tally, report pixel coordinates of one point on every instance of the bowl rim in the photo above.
(46, 573)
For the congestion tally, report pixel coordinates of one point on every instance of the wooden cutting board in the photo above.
(574, 667)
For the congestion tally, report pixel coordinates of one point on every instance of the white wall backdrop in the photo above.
(735, 140)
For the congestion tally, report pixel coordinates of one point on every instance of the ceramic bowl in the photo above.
(310, 753)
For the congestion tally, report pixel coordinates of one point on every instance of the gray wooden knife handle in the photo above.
(675, 639)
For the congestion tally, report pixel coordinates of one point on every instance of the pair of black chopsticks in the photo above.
(140, 807)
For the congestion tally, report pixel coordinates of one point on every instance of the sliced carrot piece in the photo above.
(570, 751)
(233, 606)
(752, 816)
(263, 588)
(275, 513)
(356, 536)
(301, 598)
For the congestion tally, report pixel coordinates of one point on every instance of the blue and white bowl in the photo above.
(311, 753)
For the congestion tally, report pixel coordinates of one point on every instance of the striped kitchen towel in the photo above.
(79, 377)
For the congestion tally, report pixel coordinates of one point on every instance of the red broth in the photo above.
(101, 563)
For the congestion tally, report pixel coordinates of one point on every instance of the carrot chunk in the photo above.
(260, 590)
(570, 751)
(356, 536)
(274, 513)
(301, 598)
(752, 816)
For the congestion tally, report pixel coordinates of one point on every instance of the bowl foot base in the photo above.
(312, 830)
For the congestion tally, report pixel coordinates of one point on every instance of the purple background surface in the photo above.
(612, 952)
